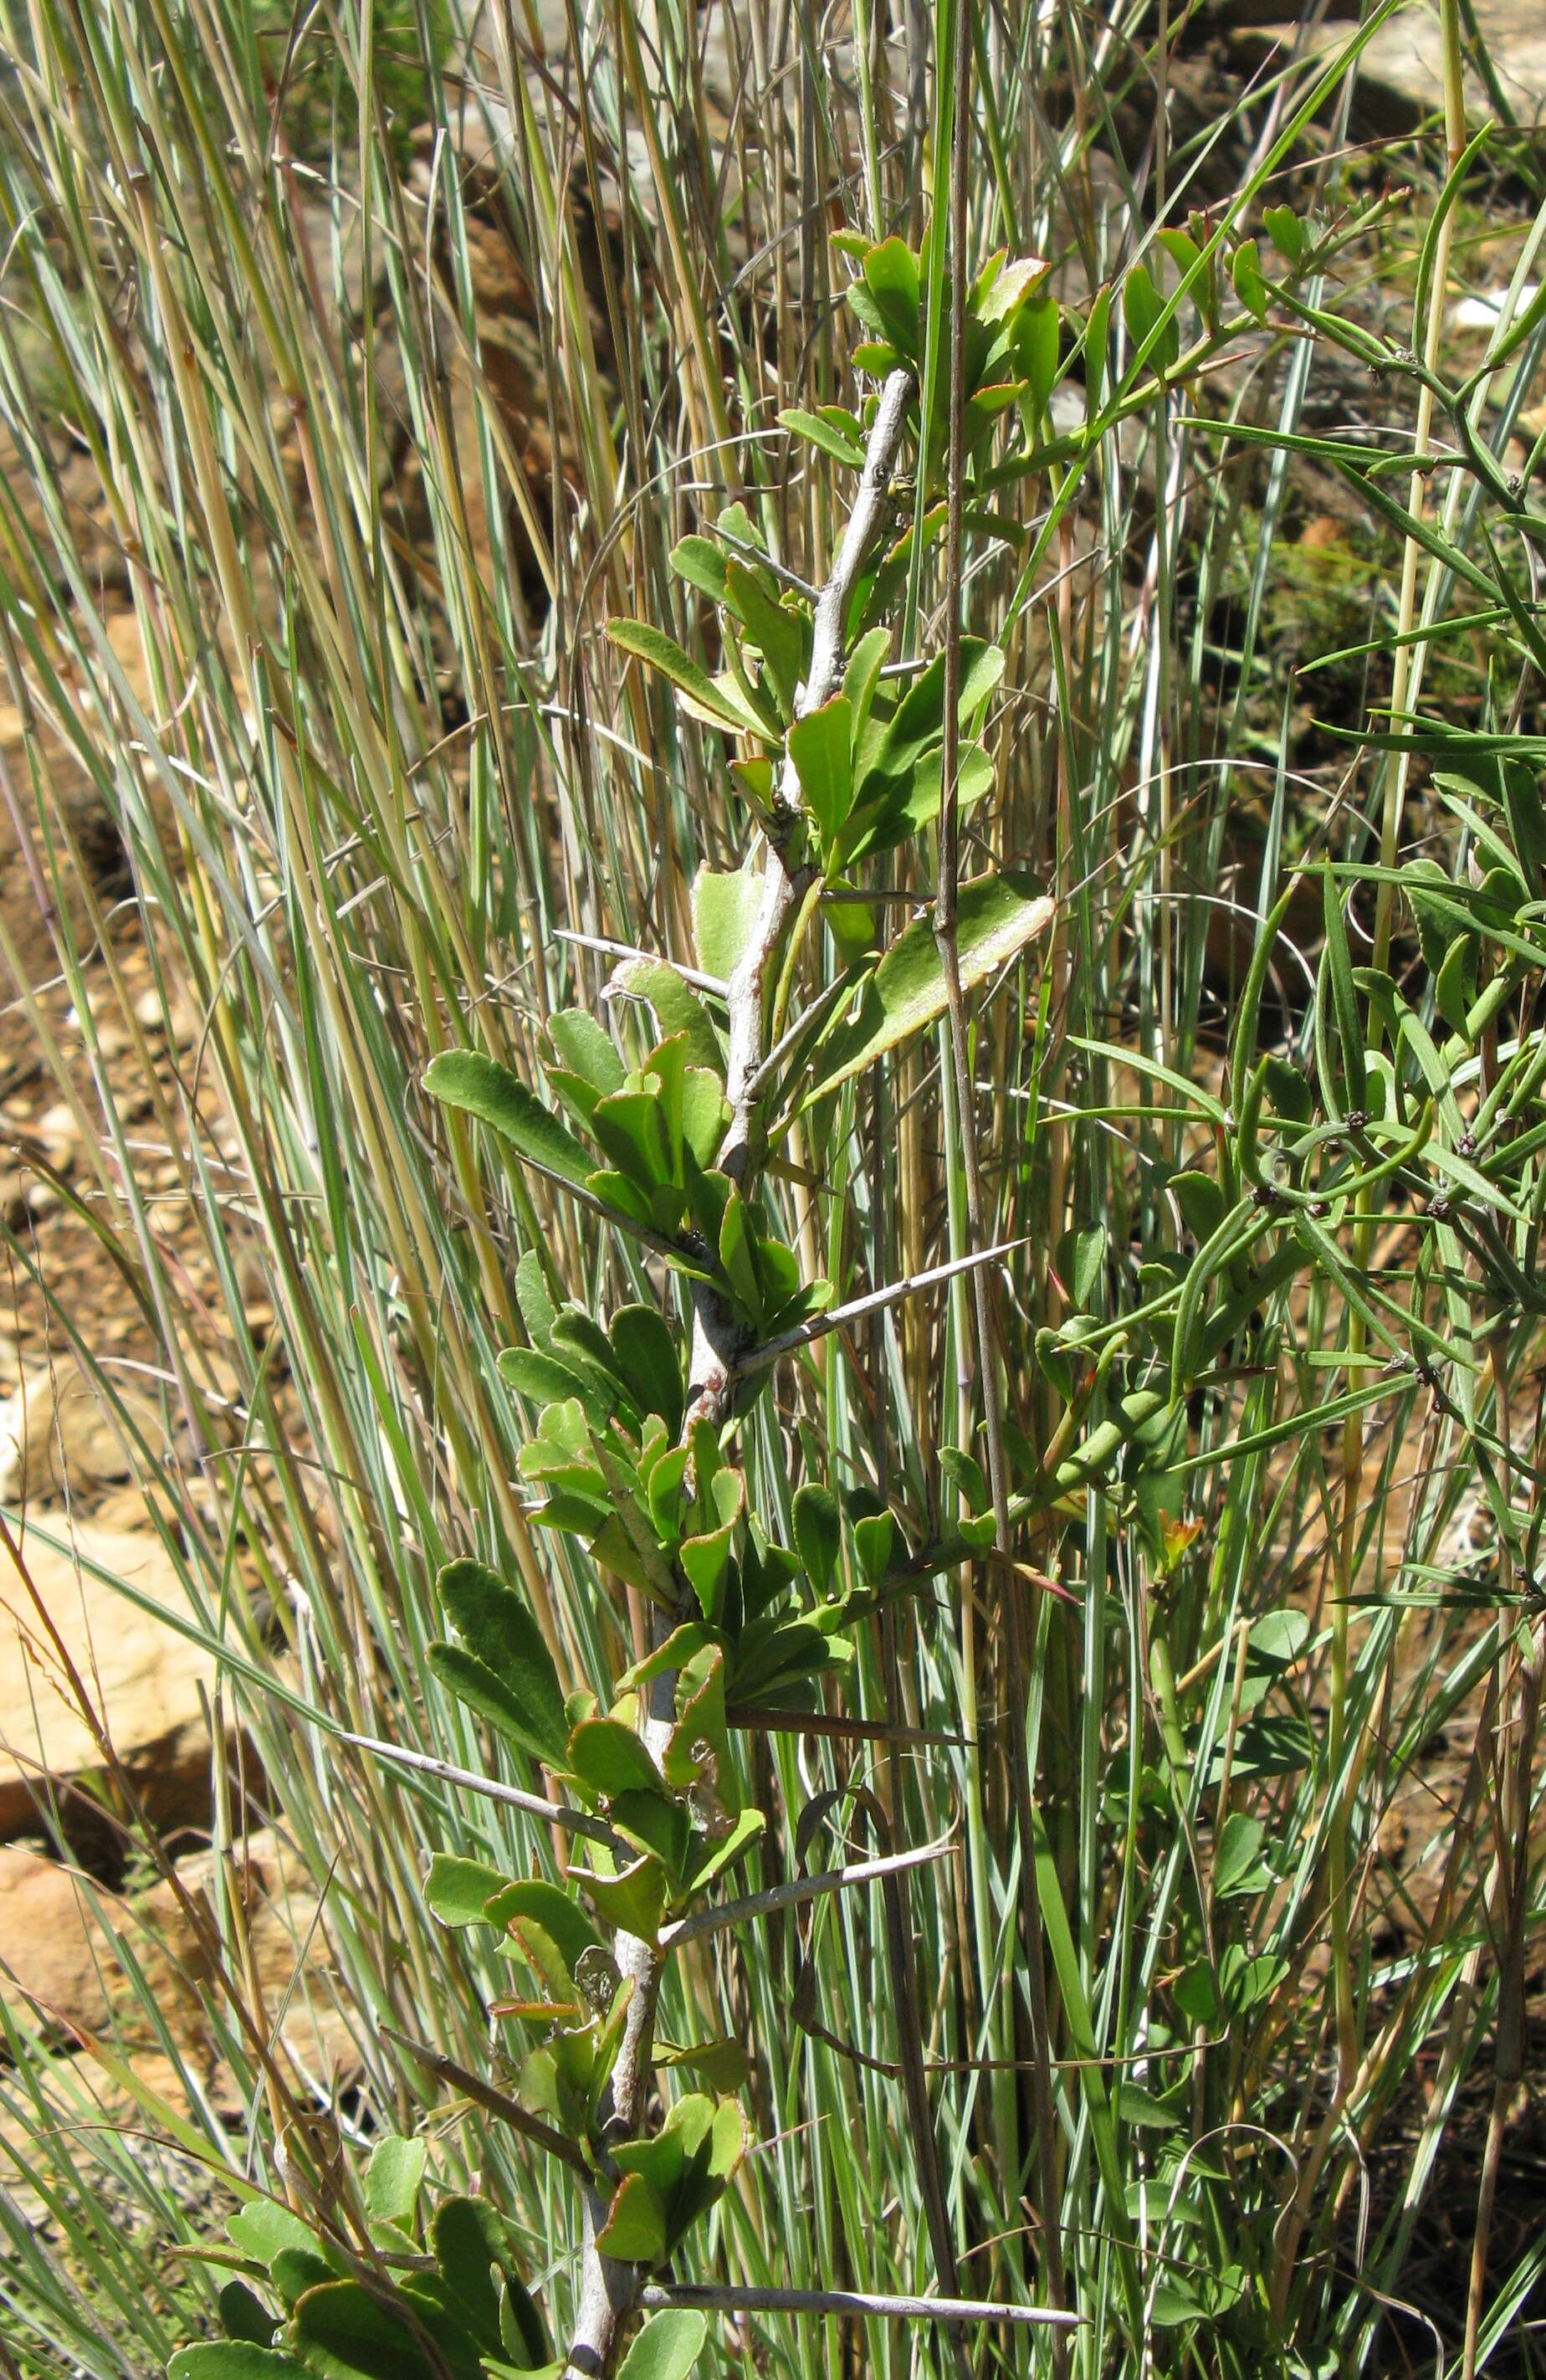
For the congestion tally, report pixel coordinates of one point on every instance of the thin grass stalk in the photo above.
(944, 928)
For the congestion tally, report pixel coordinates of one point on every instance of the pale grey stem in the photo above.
(826, 643)
(611, 2292)
(732, 2298)
(552, 1814)
(799, 1889)
(767, 1351)
(785, 876)
(694, 975)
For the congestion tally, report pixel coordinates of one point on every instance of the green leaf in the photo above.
(874, 1538)
(635, 2231)
(469, 2245)
(523, 2330)
(247, 2318)
(736, 1257)
(667, 2348)
(723, 1851)
(821, 746)
(1237, 1864)
(483, 1690)
(495, 1625)
(677, 1006)
(1010, 288)
(1249, 287)
(236, 2358)
(465, 1080)
(393, 2178)
(717, 2148)
(295, 2270)
(1454, 985)
(631, 1902)
(997, 917)
(1202, 1203)
(818, 1535)
(834, 438)
(663, 1489)
(455, 1889)
(1287, 232)
(1194, 1995)
(1143, 310)
(674, 1653)
(1292, 1098)
(587, 1049)
(702, 564)
(503, 1637)
(705, 1116)
(557, 1913)
(1278, 1638)
(654, 1823)
(1140, 2108)
(891, 279)
(726, 903)
(612, 1758)
(1172, 2302)
(863, 674)
(722, 2064)
(585, 1346)
(700, 1721)
(706, 699)
(897, 807)
(544, 1381)
(531, 1297)
(647, 1357)
(965, 1475)
(777, 634)
(919, 718)
(556, 1986)
(345, 2334)
(262, 2228)
(1246, 1981)
(630, 1128)
(1036, 347)
(1269, 1746)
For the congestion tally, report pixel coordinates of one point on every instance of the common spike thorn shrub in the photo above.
(665, 1135)
(665, 1118)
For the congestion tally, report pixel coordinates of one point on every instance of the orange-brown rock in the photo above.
(54, 1958)
(98, 1653)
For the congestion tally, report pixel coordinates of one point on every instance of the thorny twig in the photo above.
(799, 1889)
(492, 1788)
(733, 2300)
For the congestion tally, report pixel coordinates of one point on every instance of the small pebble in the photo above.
(60, 1135)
